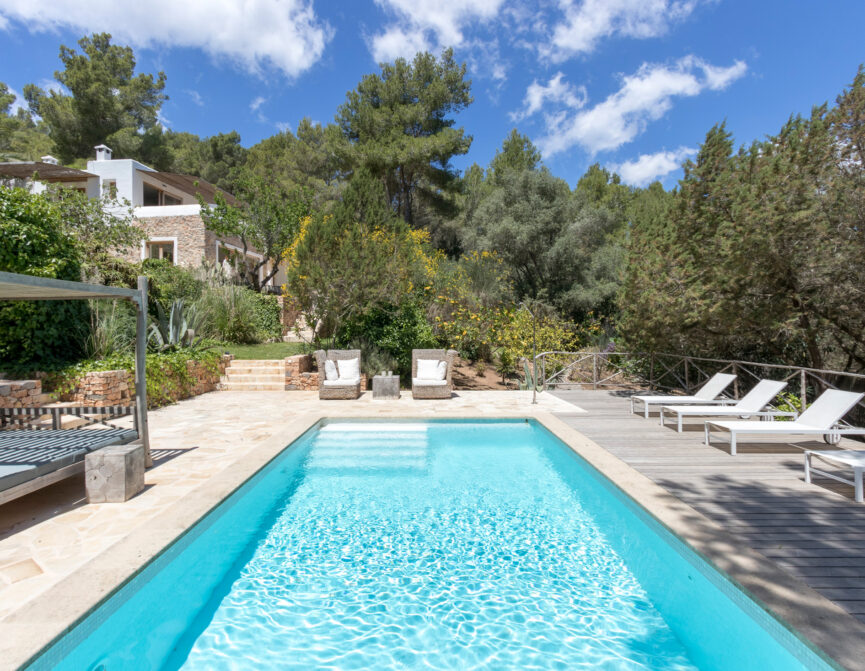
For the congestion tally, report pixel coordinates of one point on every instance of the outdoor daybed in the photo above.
(32, 459)
(431, 373)
(338, 374)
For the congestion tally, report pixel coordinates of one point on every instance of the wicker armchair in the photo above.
(338, 390)
(428, 388)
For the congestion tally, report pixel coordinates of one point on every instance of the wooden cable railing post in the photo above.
(803, 384)
(594, 370)
(736, 380)
(652, 370)
(687, 377)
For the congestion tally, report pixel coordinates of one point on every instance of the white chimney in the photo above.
(48, 158)
(103, 153)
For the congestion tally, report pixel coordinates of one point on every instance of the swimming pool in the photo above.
(436, 544)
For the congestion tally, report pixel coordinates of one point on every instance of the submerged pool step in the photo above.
(360, 447)
(371, 442)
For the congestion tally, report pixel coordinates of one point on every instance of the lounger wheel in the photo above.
(832, 438)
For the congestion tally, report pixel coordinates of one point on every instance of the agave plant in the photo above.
(172, 332)
(529, 382)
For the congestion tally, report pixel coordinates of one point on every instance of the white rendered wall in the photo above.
(126, 175)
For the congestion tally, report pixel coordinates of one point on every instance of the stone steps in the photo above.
(252, 386)
(254, 375)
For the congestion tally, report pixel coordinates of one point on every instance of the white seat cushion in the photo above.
(428, 369)
(421, 382)
(349, 369)
(330, 372)
(342, 382)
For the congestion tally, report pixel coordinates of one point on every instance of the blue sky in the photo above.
(631, 84)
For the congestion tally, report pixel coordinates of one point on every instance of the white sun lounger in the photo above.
(750, 405)
(855, 459)
(821, 418)
(705, 395)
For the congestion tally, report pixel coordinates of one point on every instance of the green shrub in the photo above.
(112, 329)
(396, 330)
(373, 359)
(168, 283)
(33, 241)
(229, 313)
(267, 316)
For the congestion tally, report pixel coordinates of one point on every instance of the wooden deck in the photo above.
(816, 532)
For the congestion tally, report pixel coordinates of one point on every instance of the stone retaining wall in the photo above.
(22, 394)
(299, 375)
(101, 388)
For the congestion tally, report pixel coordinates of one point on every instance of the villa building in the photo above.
(165, 205)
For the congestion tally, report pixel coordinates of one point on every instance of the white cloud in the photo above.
(52, 86)
(556, 91)
(18, 103)
(196, 97)
(649, 167)
(284, 34)
(256, 103)
(427, 25)
(643, 97)
(283, 126)
(586, 22)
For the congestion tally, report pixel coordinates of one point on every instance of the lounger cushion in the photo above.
(349, 369)
(25, 455)
(330, 372)
(430, 369)
(342, 382)
(421, 382)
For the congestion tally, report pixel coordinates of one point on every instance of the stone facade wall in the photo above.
(188, 229)
(299, 375)
(22, 394)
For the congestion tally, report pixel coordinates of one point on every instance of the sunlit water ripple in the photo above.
(434, 549)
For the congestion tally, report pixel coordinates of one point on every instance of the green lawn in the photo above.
(267, 350)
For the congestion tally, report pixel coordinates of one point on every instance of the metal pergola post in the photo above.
(141, 368)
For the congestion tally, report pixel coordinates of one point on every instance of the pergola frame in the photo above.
(15, 287)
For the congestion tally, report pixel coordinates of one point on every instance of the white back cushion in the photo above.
(330, 372)
(442, 370)
(428, 369)
(349, 369)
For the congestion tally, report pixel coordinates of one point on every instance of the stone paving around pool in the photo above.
(48, 535)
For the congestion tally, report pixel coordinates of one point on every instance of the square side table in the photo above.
(385, 387)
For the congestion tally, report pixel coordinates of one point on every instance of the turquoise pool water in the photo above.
(440, 545)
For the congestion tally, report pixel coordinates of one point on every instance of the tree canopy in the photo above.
(107, 102)
(760, 256)
(399, 127)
